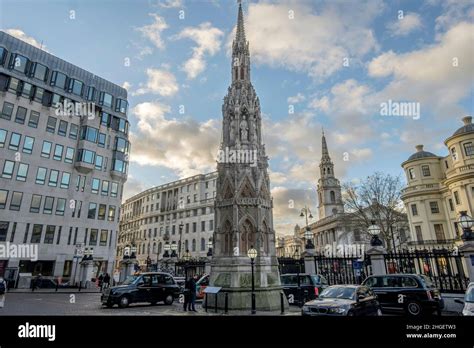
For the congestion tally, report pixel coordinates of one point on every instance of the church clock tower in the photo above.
(243, 206)
(329, 188)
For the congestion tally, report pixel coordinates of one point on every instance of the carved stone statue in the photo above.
(244, 129)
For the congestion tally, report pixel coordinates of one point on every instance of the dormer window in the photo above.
(468, 149)
(426, 170)
(411, 173)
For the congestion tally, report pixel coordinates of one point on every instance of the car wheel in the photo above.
(169, 300)
(124, 302)
(379, 312)
(413, 309)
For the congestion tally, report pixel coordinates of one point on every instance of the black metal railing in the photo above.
(445, 268)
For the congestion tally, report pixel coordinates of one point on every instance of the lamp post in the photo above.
(252, 254)
(209, 246)
(181, 225)
(297, 257)
(173, 250)
(305, 212)
(466, 223)
(186, 258)
(374, 231)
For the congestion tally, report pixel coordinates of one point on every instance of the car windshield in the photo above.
(470, 294)
(130, 280)
(338, 292)
(427, 281)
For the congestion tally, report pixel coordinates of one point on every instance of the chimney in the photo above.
(467, 120)
(419, 148)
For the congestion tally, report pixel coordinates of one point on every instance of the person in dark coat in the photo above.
(106, 280)
(186, 294)
(192, 295)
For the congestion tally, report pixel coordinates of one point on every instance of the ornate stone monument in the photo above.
(243, 208)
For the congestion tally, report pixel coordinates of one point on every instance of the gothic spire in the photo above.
(240, 34)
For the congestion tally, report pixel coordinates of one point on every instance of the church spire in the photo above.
(240, 33)
(240, 52)
(325, 158)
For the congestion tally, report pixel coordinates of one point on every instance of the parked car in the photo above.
(412, 294)
(201, 284)
(311, 285)
(468, 302)
(344, 300)
(43, 283)
(149, 287)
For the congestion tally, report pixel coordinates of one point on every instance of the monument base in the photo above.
(266, 299)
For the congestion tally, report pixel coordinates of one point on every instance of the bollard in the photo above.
(216, 304)
(57, 285)
(226, 308)
(282, 303)
(80, 285)
(205, 302)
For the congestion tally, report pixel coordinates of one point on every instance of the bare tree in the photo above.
(376, 198)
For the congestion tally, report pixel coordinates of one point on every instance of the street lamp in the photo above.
(173, 250)
(167, 249)
(181, 225)
(466, 223)
(252, 254)
(134, 250)
(126, 253)
(297, 258)
(209, 246)
(186, 258)
(305, 212)
(374, 231)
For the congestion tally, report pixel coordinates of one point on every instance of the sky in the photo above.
(315, 64)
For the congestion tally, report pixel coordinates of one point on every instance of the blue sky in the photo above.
(332, 62)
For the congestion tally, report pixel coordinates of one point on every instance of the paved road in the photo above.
(63, 303)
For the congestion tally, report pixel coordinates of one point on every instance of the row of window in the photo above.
(157, 248)
(425, 169)
(186, 229)
(49, 206)
(434, 207)
(25, 90)
(52, 234)
(58, 79)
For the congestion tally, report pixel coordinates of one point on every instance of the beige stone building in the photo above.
(439, 188)
(287, 244)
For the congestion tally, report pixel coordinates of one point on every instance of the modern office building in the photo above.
(63, 161)
(180, 213)
(439, 188)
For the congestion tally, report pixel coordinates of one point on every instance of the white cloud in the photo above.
(208, 42)
(437, 76)
(127, 85)
(132, 187)
(153, 32)
(320, 104)
(296, 99)
(160, 82)
(312, 43)
(405, 25)
(171, 3)
(184, 145)
(20, 34)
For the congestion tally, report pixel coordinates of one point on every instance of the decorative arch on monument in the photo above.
(246, 189)
(227, 237)
(248, 235)
(228, 190)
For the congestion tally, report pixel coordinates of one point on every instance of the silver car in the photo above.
(468, 302)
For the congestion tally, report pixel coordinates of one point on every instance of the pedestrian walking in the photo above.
(101, 281)
(187, 294)
(106, 280)
(3, 290)
(192, 297)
